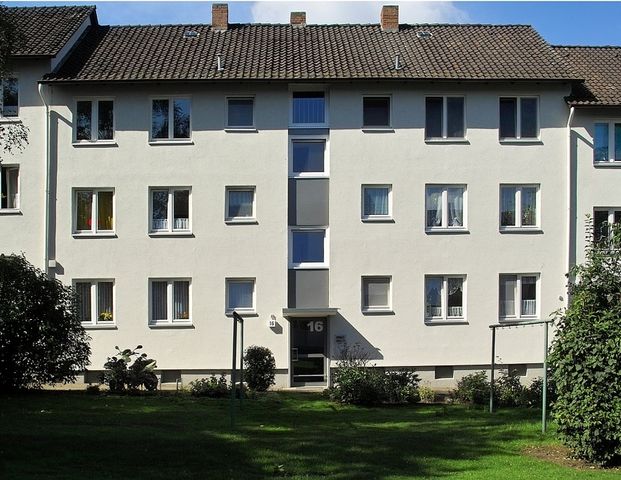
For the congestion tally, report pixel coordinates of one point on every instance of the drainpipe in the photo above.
(46, 245)
(569, 198)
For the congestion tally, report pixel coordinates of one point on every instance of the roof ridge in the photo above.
(49, 7)
(315, 25)
(587, 46)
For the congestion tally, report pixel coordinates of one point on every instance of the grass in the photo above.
(71, 435)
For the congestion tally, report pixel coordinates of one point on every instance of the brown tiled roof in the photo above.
(47, 29)
(601, 69)
(313, 52)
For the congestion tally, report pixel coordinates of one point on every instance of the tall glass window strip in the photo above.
(9, 187)
(376, 202)
(240, 295)
(94, 211)
(444, 298)
(308, 157)
(170, 301)
(10, 97)
(445, 207)
(519, 118)
(518, 296)
(444, 117)
(518, 206)
(170, 119)
(308, 248)
(239, 203)
(308, 108)
(170, 210)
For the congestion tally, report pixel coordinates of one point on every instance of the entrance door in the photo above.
(308, 351)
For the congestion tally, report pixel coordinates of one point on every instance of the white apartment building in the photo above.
(400, 187)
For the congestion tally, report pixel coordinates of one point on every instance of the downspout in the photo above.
(569, 198)
(46, 244)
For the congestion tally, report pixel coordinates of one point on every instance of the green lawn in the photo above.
(71, 435)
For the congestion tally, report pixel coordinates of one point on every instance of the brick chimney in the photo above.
(298, 19)
(390, 18)
(220, 16)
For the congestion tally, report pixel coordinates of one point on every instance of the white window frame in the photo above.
(10, 118)
(326, 158)
(518, 126)
(445, 117)
(309, 89)
(17, 208)
(390, 112)
(171, 119)
(169, 302)
(326, 247)
(94, 231)
(376, 218)
(445, 226)
(94, 120)
(611, 143)
(380, 308)
(518, 296)
(230, 127)
(611, 217)
(170, 212)
(241, 188)
(94, 292)
(241, 311)
(444, 299)
(518, 207)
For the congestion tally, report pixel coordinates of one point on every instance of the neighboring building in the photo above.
(400, 187)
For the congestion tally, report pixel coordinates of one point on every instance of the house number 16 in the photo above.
(315, 326)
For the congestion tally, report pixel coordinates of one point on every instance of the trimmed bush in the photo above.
(472, 388)
(211, 387)
(259, 368)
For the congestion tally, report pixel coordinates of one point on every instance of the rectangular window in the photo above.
(308, 248)
(518, 296)
(376, 294)
(240, 294)
(94, 211)
(607, 142)
(375, 112)
(239, 204)
(170, 210)
(308, 108)
(445, 207)
(308, 157)
(9, 187)
(170, 119)
(519, 118)
(94, 120)
(603, 218)
(170, 301)
(518, 206)
(444, 298)
(444, 117)
(95, 301)
(240, 112)
(9, 98)
(376, 202)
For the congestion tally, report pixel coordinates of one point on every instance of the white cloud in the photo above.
(322, 12)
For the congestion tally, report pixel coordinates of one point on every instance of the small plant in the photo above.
(105, 317)
(211, 387)
(121, 377)
(473, 388)
(427, 394)
(260, 368)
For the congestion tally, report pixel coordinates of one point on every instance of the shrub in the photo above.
(535, 390)
(473, 388)
(259, 368)
(401, 386)
(427, 394)
(211, 387)
(586, 355)
(41, 338)
(509, 391)
(121, 377)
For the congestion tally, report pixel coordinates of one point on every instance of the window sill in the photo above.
(96, 143)
(10, 120)
(612, 164)
(171, 142)
(99, 327)
(445, 321)
(172, 325)
(520, 141)
(241, 221)
(377, 220)
(243, 314)
(518, 319)
(171, 234)
(378, 130)
(309, 266)
(461, 141)
(95, 235)
(443, 231)
(378, 311)
(10, 211)
(522, 230)
(241, 129)
(308, 176)
(309, 125)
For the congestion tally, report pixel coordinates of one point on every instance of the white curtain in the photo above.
(375, 201)
(240, 295)
(434, 207)
(455, 297)
(455, 207)
(240, 203)
(508, 285)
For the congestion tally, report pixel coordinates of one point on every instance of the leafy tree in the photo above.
(260, 368)
(586, 354)
(14, 135)
(41, 338)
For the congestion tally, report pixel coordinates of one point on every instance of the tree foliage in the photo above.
(586, 354)
(41, 338)
(260, 368)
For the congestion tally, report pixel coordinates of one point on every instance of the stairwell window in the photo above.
(94, 120)
(518, 207)
(308, 109)
(170, 301)
(308, 248)
(519, 118)
(603, 218)
(9, 188)
(95, 302)
(9, 98)
(445, 298)
(607, 143)
(93, 212)
(518, 296)
(445, 208)
(170, 210)
(308, 157)
(444, 118)
(170, 119)
(240, 295)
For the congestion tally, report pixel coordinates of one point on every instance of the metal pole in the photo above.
(233, 372)
(493, 366)
(544, 400)
(241, 362)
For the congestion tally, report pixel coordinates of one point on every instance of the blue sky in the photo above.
(569, 23)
